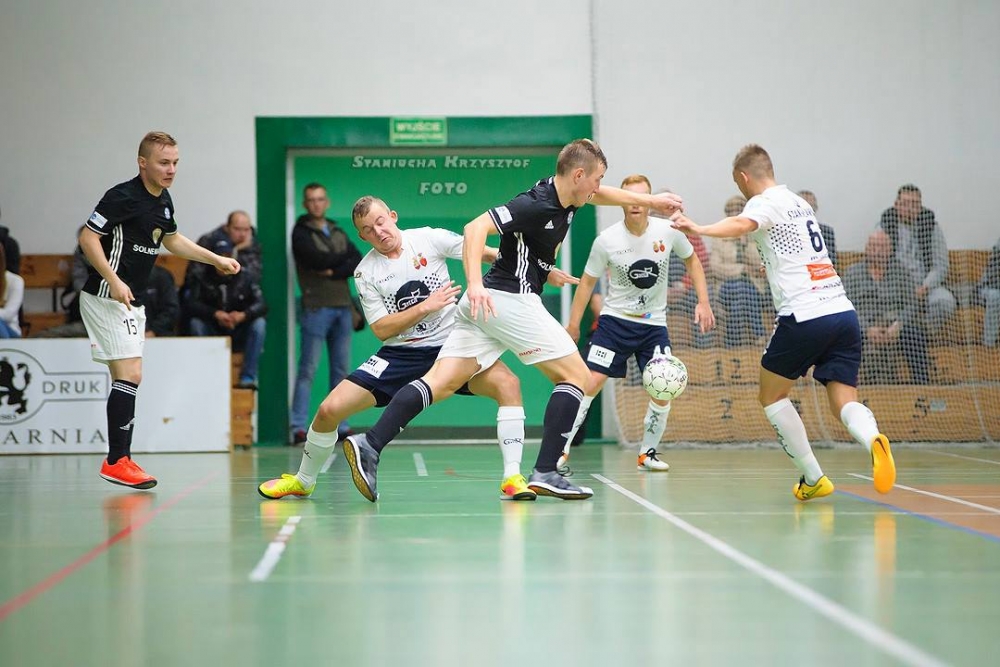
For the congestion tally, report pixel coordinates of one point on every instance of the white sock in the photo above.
(860, 423)
(510, 437)
(314, 454)
(653, 425)
(581, 415)
(792, 436)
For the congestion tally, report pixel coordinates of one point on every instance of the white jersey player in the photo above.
(816, 327)
(409, 300)
(635, 253)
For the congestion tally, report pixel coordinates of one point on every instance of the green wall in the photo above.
(433, 187)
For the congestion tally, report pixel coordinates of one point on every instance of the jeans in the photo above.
(991, 322)
(7, 332)
(247, 338)
(335, 326)
(743, 305)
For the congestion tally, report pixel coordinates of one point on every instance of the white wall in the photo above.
(851, 98)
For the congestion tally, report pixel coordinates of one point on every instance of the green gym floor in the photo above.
(713, 563)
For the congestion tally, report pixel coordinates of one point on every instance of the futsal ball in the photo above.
(665, 378)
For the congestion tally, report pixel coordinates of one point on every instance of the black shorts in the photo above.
(831, 343)
(392, 368)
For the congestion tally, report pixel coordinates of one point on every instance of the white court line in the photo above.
(967, 458)
(951, 499)
(329, 462)
(274, 550)
(418, 461)
(876, 636)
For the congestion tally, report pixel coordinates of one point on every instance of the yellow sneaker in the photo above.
(804, 492)
(515, 487)
(883, 467)
(286, 485)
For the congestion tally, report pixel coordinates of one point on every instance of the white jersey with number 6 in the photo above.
(802, 278)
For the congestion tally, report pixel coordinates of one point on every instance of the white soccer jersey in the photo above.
(638, 268)
(388, 286)
(802, 279)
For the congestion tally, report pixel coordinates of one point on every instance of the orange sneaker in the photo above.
(127, 473)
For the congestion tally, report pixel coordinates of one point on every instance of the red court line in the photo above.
(23, 598)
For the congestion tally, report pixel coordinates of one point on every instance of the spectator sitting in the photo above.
(11, 298)
(162, 304)
(739, 296)
(826, 231)
(244, 238)
(884, 295)
(11, 249)
(989, 290)
(228, 305)
(919, 245)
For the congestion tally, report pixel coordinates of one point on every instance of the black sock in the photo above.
(121, 415)
(404, 406)
(560, 414)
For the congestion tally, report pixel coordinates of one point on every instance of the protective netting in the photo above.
(925, 381)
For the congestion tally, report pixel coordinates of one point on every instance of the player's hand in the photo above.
(704, 317)
(480, 300)
(121, 293)
(682, 223)
(227, 265)
(667, 203)
(574, 331)
(443, 296)
(558, 278)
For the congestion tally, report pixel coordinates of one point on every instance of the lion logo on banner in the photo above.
(14, 380)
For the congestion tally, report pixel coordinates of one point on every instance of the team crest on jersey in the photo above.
(658, 246)
(419, 261)
(644, 273)
(98, 220)
(166, 212)
(157, 235)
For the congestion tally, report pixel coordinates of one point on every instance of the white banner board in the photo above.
(53, 397)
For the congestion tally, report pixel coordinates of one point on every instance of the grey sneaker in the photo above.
(555, 485)
(363, 460)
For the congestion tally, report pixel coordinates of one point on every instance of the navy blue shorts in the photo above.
(615, 340)
(831, 343)
(392, 368)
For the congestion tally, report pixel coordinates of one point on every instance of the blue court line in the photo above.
(925, 517)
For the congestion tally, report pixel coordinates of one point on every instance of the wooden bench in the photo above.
(46, 272)
(243, 407)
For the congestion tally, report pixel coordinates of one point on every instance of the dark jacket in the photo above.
(249, 259)
(882, 302)
(314, 253)
(11, 250)
(162, 305)
(206, 291)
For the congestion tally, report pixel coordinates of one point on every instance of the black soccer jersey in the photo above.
(132, 223)
(531, 226)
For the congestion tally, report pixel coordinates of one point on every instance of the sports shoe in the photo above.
(648, 461)
(286, 485)
(883, 467)
(516, 488)
(804, 492)
(127, 472)
(555, 485)
(298, 437)
(363, 460)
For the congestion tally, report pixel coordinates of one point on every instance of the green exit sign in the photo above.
(418, 131)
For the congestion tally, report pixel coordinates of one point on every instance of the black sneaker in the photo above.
(555, 485)
(363, 460)
(298, 438)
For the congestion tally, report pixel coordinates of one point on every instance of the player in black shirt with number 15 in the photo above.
(121, 240)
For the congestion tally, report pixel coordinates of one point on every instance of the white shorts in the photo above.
(115, 332)
(522, 325)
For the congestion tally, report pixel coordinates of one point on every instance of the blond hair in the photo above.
(363, 206)
(637, 178)
(581, 153)
(154, 139)
(754, 161)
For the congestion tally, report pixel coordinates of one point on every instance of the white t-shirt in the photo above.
(802, 278)
(637, 269)
(12, 301)
(388, 286)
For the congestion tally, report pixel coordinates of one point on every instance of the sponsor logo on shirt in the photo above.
(504, 214)
(821, 271)
(146, 250)
(549, 225)
(98, 220)
(375, 366)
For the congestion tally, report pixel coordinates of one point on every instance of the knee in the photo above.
(328, 415)
(508, 389)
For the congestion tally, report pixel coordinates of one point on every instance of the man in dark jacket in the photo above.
(240, 231)
(11, 249)
(228, 305)
(324, 259)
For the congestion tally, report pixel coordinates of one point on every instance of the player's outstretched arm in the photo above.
(580, 302)
(725, 229)
(182, 246)
(666, 203)
(473, 248)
